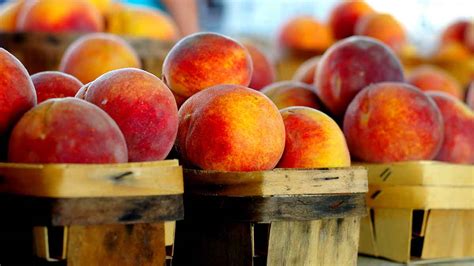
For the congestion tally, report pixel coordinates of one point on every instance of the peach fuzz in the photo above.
(230, 128)
(393, 121)
(17, 93)
(345, 16)
(95, 54)
(202, 60)
(62, 16)
(67, 130)
(458, 143)
(383, 27)
(9, 15)
(307, 71)
(429, 78)
(313, 140)
(349, 66)
(55, 84)
(143, 107)
(292, 93)
(305, 33)
(264, 71)
(141, 22)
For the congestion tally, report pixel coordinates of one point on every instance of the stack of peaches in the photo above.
(101, 108)
(59, 16)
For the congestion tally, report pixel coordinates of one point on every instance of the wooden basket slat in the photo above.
(73, 180)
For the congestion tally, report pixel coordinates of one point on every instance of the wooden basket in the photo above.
(279, 217)
(95, 214)
(43, 51)
(419, 212)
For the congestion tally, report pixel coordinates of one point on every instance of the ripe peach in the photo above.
(470, 96)
(349, 66)
(202, 60)
(95, 54)
(59, 16)
(307, 71)
(305, 33)
(345, 15)
(9, 14)
(55, 84)
(469, 37)
(430, 78)
(142, 106)
(230, 128)
(292, 93)
(458, 144)
(264, 71)
(393, 121)
(313, 140)
(17, 93)
(383, 27)
(81, 93)
(455, 32)
(67, 130)
(141, 22)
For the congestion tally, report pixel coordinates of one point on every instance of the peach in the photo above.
(142, 106)
(313, 140)
(393, 121)
(349, 66)
(383, 27)
(81, 93)
(55, 84)
(264, 71)
(305, 33)
(9, 14)
(430, 78)
(141, 22)
(202, 60)
(230, 128)
(455, 32)
(95, 54)
(292, 93)
(345, 15)
(67, 130)
(307, 71)
(470, 96)
(17, 94)
(59, 16)
(469, 37)
(458, 144)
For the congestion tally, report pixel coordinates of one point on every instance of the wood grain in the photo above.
(267, 209)
(43, 51)
(213, 244)
(449, 233)
(137, 244)
(92, 180)
(294, 243)
(367, 244)
(393, 233)
(84, 211)
(426, 173)
(276, 182)
(420, 197)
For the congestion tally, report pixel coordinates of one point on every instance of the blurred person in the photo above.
(184, 12)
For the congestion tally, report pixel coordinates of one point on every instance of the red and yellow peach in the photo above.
(230, 128)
